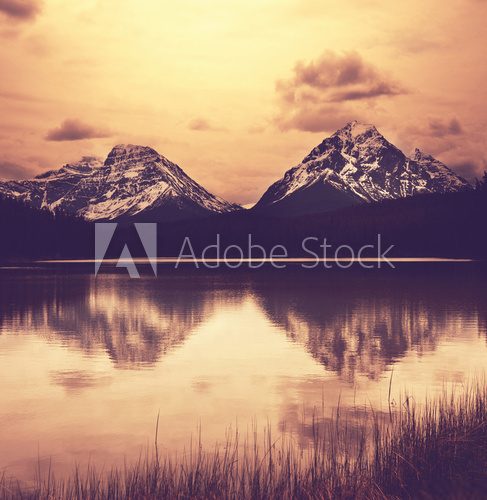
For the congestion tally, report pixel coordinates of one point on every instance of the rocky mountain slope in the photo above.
(133, 181)
(356, 164)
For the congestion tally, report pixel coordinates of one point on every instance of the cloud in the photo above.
(470, 169)
(17, 96)
(20, 10)
(10, 170)
(201, 124)
(440, 135)
(326, 86)
(376, 90)
(75, 130)
(440, 128)
(316, 118)
(447, 140)
(348, 72)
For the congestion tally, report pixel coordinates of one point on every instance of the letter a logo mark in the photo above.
(147, 232)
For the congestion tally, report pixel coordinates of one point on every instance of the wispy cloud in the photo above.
(440, 128)
(11, 170)
(448, 139)
(75, 130)
(201, 124)
(469, 169)
(21, 10)
(323, 87)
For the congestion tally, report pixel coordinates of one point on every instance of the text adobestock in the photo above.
(315, 252)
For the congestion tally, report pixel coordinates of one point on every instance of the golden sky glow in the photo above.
(236, 92)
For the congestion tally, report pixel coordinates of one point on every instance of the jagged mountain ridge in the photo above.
(354, 165)
(133, 181)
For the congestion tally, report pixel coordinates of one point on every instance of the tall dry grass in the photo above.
(434, 450)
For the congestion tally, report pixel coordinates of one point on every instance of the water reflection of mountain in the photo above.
(359, 323)
(351, 322)
(135, 321)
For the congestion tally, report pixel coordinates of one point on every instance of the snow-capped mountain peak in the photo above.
(357, 164)
(84, 166)
(354, 129)
(132, 181)
(419, 155)
(124, 152)
(443, 177)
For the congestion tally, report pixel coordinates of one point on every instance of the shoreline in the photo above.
(433, 450)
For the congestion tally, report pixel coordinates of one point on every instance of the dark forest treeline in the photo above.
(27, 233)
(452, 225)
(443, 225)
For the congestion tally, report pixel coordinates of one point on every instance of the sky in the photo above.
(237, 92)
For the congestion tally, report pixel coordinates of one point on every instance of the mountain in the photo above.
(356, 165)
(133, 181)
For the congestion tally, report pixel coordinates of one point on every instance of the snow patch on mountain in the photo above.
(132, 180)
(358, 161)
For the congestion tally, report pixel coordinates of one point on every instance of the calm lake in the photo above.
(87, 364)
